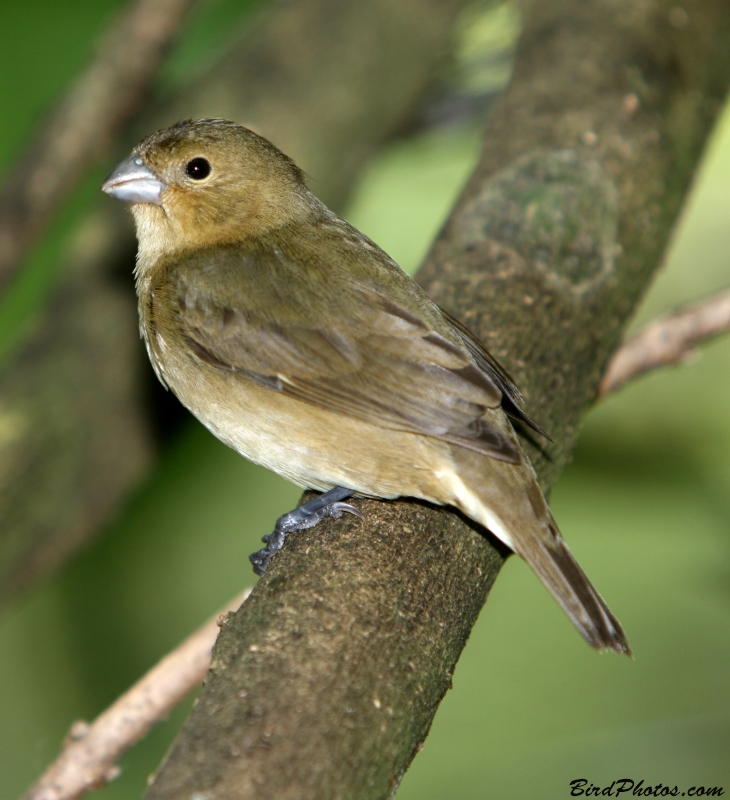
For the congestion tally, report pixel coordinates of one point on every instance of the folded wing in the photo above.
(345, 347)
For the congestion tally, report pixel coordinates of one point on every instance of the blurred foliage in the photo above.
(49, 45)
(483, 58)
(485, 37)
(406, 194)
(645, 507)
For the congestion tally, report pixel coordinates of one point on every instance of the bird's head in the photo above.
(208, 181)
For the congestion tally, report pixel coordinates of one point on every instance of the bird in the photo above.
(301, 344)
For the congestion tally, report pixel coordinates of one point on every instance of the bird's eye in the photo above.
(197, 169)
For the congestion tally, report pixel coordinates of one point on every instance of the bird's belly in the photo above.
(310, 446)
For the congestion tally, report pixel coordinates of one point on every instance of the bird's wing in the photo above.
(487, 363)
(339, 342)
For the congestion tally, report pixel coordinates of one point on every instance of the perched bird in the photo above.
(301, 344)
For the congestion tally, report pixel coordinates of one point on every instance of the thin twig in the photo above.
(665, 341)
(90, 752)
(73, 136)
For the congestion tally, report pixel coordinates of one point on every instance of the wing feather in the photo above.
(393, 361)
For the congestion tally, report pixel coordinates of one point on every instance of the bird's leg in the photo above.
(306, 516)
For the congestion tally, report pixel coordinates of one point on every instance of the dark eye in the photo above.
(197, 169)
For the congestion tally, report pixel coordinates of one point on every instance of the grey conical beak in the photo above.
(132, 182)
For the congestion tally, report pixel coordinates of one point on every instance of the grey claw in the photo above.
(336, 510)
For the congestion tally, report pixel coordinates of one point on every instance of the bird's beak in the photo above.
(133, 182)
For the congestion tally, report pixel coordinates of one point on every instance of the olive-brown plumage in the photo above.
(302, 345)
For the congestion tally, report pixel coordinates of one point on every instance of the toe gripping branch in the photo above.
(306, 516)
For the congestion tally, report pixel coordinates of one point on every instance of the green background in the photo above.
(645, 507)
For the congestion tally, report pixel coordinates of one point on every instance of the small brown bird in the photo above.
(301, 344)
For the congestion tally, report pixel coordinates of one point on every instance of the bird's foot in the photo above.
(306, 516)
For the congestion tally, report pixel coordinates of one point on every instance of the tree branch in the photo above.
(325, 682)
(665, 341)
(90, 753)
(81, 128)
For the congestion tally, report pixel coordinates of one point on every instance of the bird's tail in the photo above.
(508, 502)
(569, 585)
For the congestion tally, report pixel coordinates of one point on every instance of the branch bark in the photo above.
(325, 682)
(81, 128)
(669, 340)
(327, 81)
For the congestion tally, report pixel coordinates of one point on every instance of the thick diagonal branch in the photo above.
(326, 680)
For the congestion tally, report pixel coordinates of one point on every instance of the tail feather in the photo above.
(507, 500)
(569, 585)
